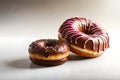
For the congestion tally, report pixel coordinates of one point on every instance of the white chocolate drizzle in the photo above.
(79, 28)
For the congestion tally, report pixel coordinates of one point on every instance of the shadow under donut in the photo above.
(74, 57)
(24, 63)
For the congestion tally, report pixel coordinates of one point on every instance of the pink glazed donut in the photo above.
(85, 37)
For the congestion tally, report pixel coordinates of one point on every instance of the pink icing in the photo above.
(80, 28)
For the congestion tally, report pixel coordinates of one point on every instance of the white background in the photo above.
(24, 21)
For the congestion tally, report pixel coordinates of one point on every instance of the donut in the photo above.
(84, 36)
(48, 52)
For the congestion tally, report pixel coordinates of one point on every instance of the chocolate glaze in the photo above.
(47, 47)
(49, 62)
(85, 33)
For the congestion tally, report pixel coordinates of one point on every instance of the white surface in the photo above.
(22, 22)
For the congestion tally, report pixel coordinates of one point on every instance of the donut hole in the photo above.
(88, 32)
(50, 44)
(93, 32)
(47, 43)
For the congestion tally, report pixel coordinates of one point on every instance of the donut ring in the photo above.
(48, 52)
(85, 37)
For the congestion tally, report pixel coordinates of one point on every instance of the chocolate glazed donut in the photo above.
(85, 37)
(48, 52)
